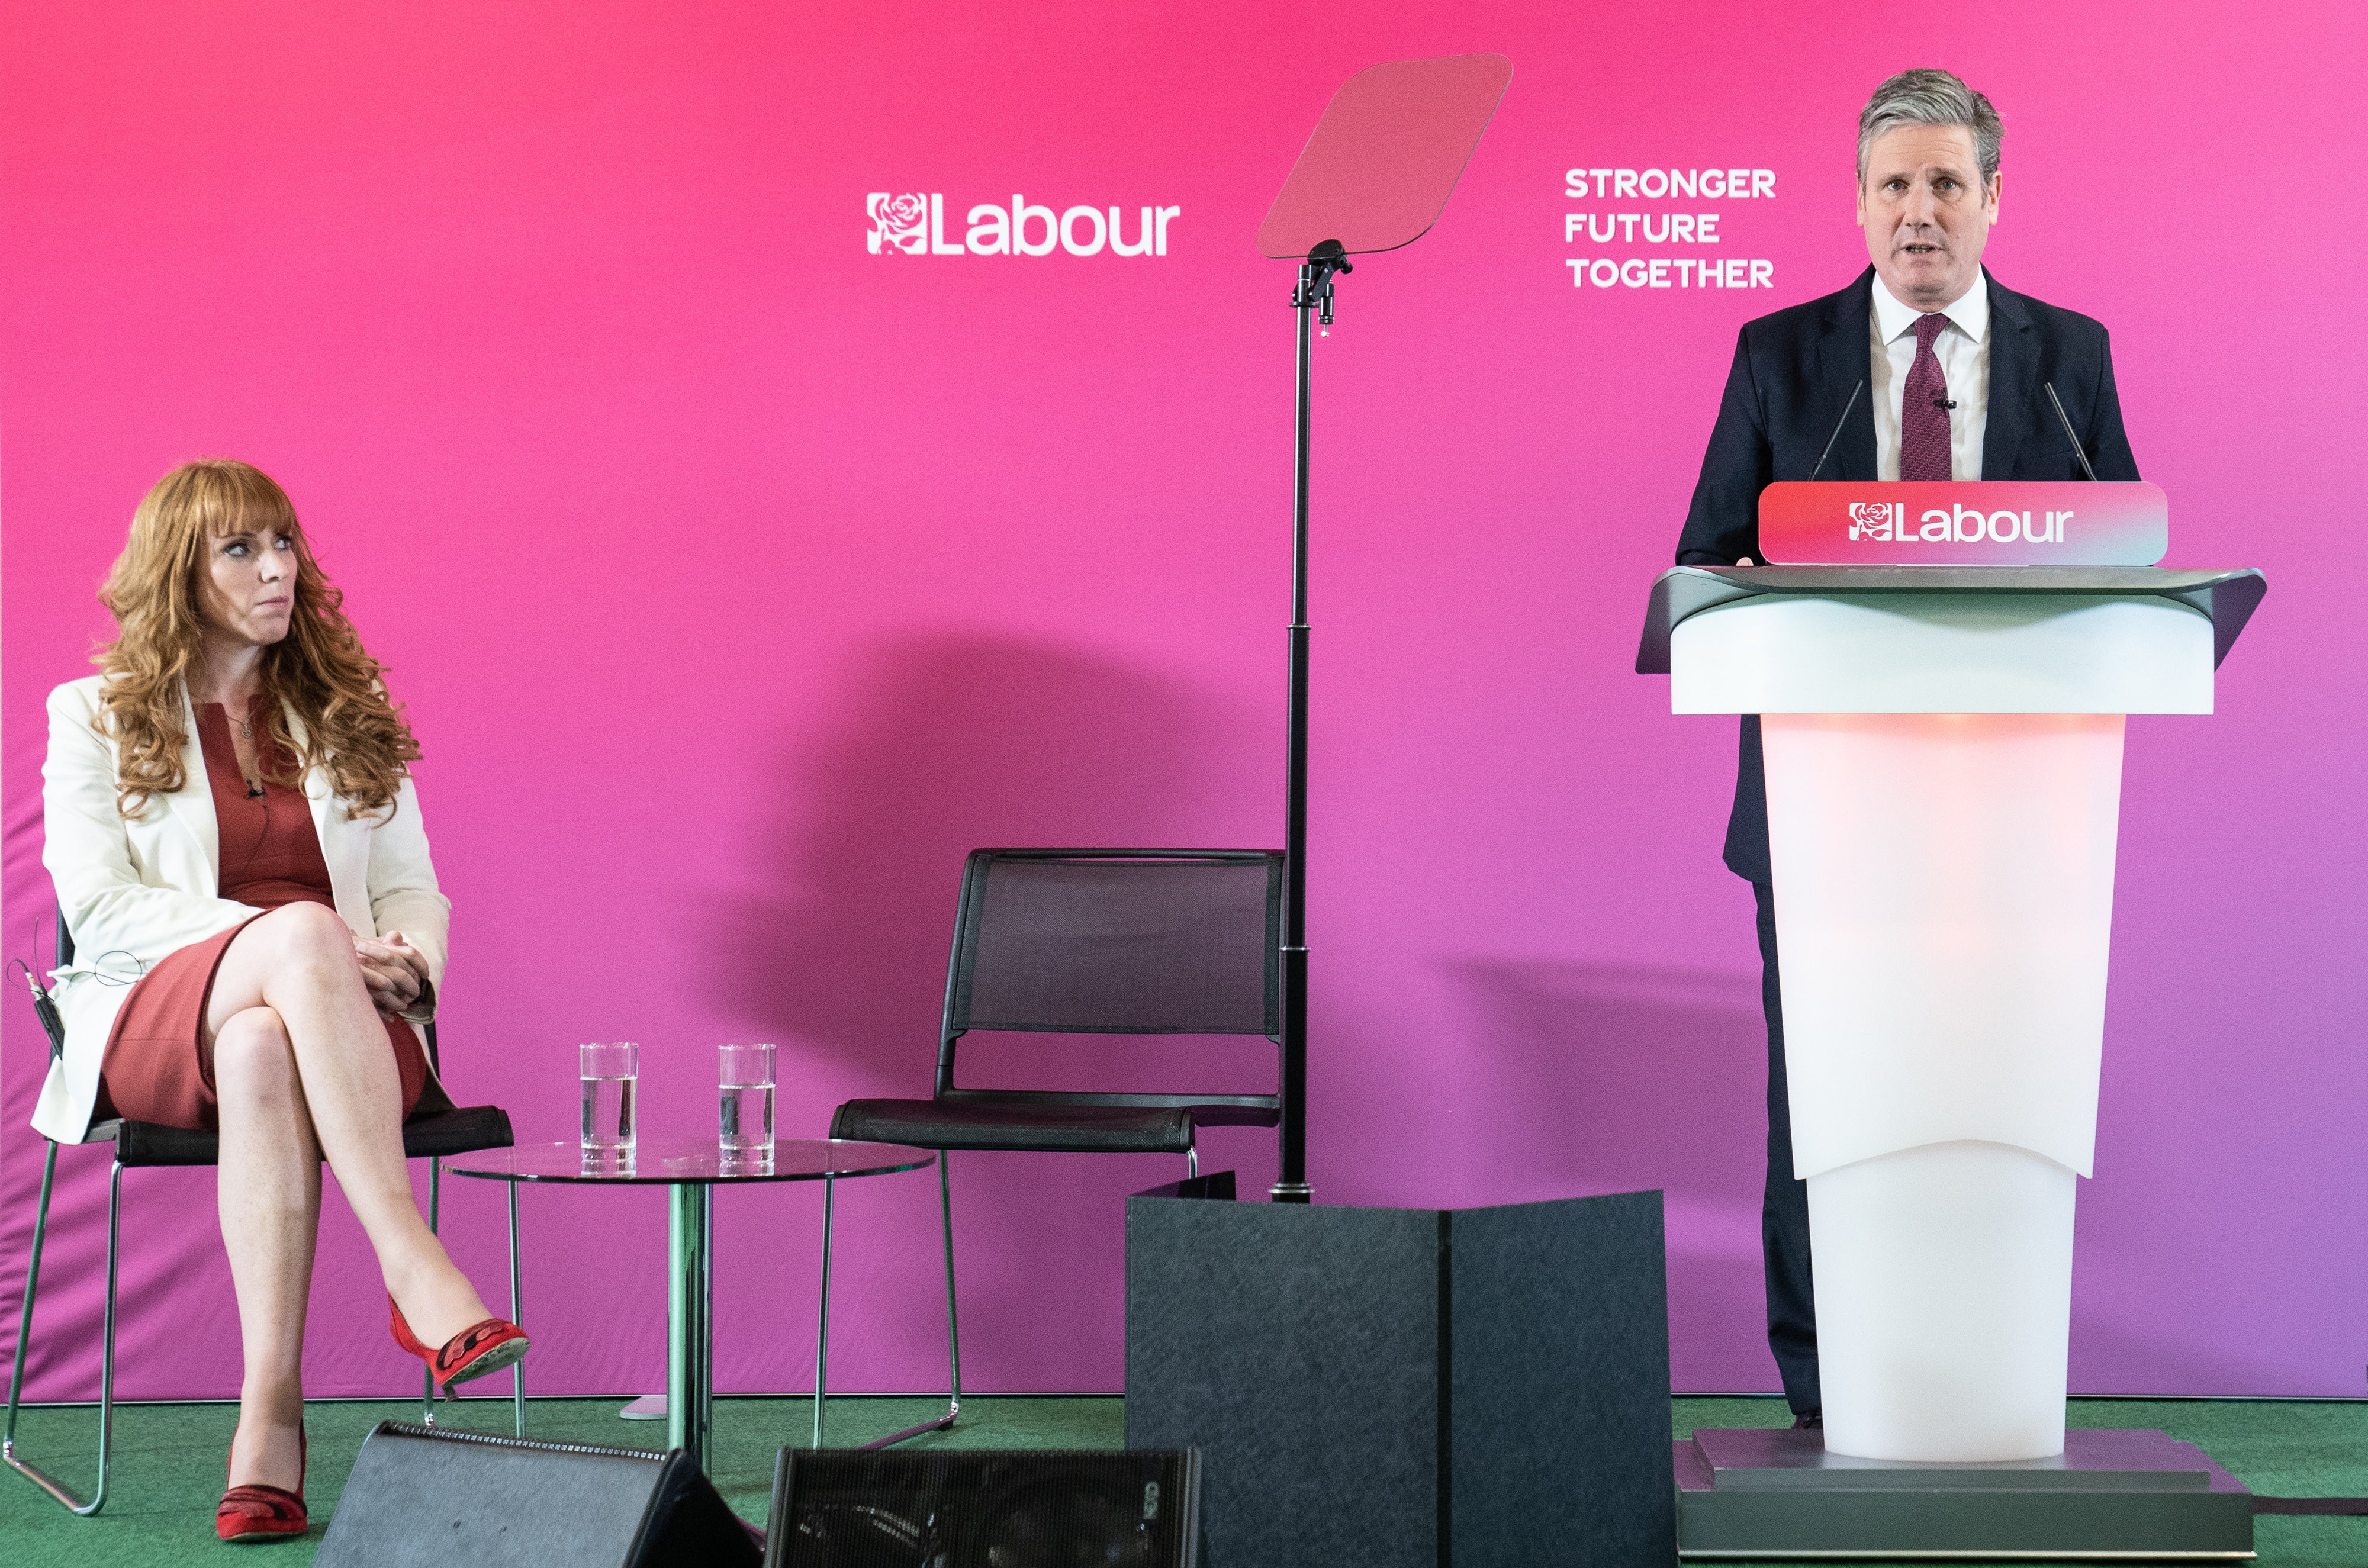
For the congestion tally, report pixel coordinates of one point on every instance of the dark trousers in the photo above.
(1784, 1203)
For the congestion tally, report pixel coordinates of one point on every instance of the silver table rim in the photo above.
(656, 1176)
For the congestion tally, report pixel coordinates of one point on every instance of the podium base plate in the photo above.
(2112, 1494)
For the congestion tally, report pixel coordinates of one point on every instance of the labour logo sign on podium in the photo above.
(1994, 523)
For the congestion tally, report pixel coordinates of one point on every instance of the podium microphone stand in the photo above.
(1375, 175)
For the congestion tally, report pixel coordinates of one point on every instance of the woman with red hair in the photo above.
(236, 848)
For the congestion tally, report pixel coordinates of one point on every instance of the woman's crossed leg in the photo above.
(302, 1074)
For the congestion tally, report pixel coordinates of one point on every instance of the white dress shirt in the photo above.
(1964, 350)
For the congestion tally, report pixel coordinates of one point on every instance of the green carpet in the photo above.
(168, 1460)
(168, 1467)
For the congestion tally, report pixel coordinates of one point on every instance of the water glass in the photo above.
(745, 1097)
(743, 1161)
(611, 1164)
(610, 1072)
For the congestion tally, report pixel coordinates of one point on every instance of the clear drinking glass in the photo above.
(745, 1097)
(610, 1072)
(611, 1163)
(744, 1162)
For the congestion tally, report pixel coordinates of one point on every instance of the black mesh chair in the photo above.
(1101, 942)
(430, 1136)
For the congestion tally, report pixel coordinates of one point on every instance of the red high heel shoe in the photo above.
(485, 1346)
(256, 1512)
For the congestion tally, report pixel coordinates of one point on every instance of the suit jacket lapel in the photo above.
(192, 804)
(2014, 394)
(318, 792)
(1843, 363)
(345, 849)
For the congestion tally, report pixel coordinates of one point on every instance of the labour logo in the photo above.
(915, 224)
(899, 223)
(1878, 519)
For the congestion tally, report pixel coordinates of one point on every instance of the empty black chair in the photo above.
(429, 1135)
(1093, 942)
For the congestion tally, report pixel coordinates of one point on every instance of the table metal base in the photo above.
(689, 1403)
(1776, 1494)
(690, 1320)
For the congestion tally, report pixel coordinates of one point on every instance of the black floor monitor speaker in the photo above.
(1391, 1388)
(423, 1498)
(984, 1508)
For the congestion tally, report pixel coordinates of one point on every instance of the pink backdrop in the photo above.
(738, 579)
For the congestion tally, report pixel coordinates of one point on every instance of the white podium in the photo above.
(1943, 754)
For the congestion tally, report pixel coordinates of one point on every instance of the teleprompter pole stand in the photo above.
(1374, 176)
(1313, 297)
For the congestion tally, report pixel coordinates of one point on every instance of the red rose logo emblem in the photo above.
(898, 223)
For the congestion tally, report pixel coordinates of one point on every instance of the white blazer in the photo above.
(134, 890)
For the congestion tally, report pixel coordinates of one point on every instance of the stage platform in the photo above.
(2111, 1492)
(168, 1459)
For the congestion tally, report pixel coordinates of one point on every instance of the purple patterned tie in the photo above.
(1923, 408)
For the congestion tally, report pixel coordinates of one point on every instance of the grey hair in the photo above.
(1931, 98)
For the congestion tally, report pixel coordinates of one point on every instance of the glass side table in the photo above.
(691, 1169)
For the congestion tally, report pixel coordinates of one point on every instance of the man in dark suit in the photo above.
(1923, 368)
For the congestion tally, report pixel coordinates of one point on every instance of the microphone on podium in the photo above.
(2085, 469)
(1837, 427)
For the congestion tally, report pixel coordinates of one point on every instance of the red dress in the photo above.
(159, 1065)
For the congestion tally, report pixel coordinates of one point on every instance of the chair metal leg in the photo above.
(435, 1206)
(954, 1327)
(821, 1330)
(107, 1350)
(1193, 1161)
(518, 1315)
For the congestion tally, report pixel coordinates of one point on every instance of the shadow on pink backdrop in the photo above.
(738, 579)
